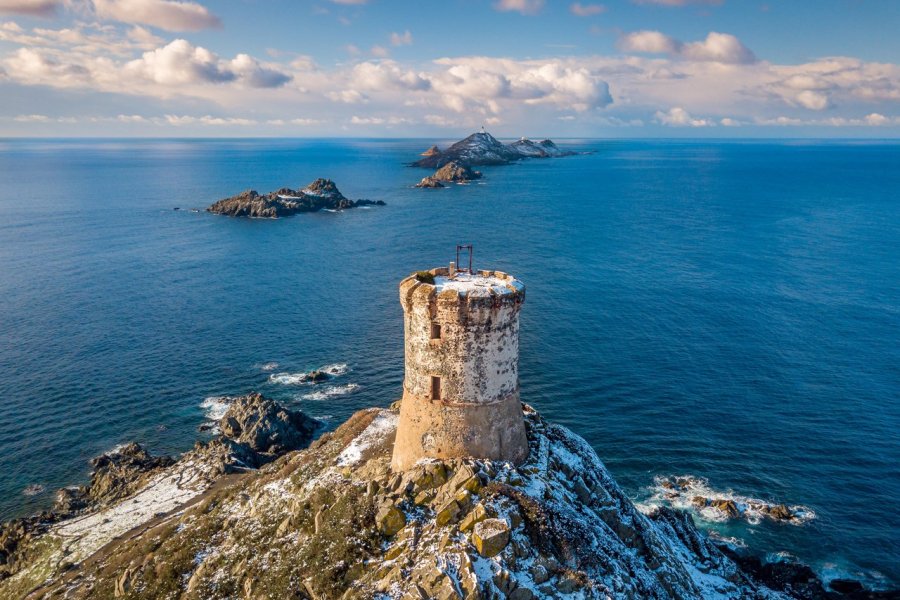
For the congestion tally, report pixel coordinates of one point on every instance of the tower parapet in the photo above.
(461, 384)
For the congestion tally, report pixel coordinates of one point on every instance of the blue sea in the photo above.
(726, 310)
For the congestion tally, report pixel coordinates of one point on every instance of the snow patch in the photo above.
(380, 427)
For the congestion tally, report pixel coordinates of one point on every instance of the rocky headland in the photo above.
(321, 194)
(252, 515)
(484, 149)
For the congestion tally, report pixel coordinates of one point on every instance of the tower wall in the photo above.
(475, 409)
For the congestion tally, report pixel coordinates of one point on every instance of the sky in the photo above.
(398, 68)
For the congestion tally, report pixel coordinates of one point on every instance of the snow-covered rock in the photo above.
(484, 149)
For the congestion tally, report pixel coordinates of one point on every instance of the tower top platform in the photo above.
(471, 286)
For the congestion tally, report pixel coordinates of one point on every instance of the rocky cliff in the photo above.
(318, 195)
(333, 521)
(484, 149)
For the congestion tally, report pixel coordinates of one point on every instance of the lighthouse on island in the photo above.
(461, 384)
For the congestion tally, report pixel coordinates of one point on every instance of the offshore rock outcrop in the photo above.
(452, 172)
(484, 149)
(318, 195)
(333, 521)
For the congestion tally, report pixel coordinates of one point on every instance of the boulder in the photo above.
(433, 151)
(390, 519)
(490, 537)
(266, 427)
(726, 506)
(779, 512)
(118, 473)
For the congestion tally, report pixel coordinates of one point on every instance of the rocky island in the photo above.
(452, 172)
(484, 149)
(321, 194)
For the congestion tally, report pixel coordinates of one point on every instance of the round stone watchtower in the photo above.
(461, 385)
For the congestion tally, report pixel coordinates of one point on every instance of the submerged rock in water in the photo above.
(318, 195)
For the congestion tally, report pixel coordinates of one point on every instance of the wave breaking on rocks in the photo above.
(333, 521)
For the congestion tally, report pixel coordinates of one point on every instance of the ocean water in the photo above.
(726, 310)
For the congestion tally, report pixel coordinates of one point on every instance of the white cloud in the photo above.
(379, 51)
(459, 92)
(717, 47)
(179, 63)
(677, 2)
(812, 100)
(32, 119)
(386, 75)
(678, 117)
(650, 42)
(33, 8)
(870, 120)
(526, 7)
(401, 39)
(586, 10)
(207, 120)
(348, 97)
(164, 14)
(355, 120)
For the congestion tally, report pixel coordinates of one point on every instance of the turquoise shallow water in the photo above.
(721, 309)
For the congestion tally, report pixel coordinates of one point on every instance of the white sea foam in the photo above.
(215, 407)
(331, 391)
(335, 369)
(289, 378)
(691, 493)
(332, 370)
(269, 366)
(34, 489)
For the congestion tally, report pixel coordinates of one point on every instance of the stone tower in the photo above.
(461, 385)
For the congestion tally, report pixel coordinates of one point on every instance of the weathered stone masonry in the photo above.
(461, 385)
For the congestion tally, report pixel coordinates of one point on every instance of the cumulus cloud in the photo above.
(684, 85)
(32, 8)
(526, 7)
(717, 47)
(586, 10)
(401, 39)
(170, 15)
(386, 75)
(678, 117)
(179, 63)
